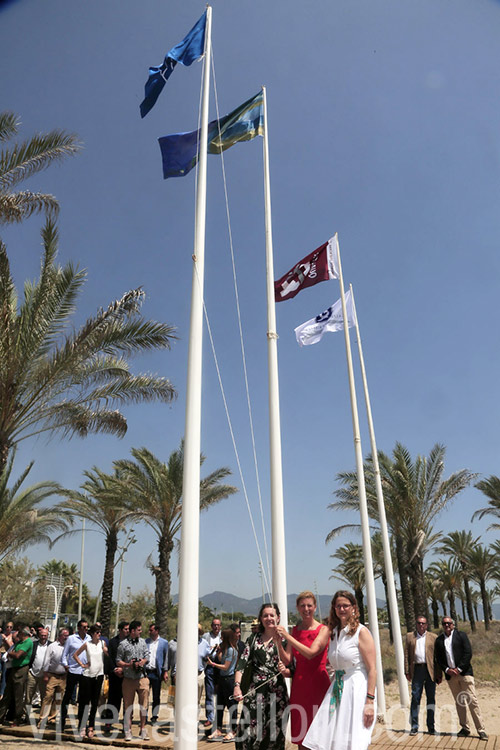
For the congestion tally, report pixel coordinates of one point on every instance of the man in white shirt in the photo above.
(54, 676)
(35, 673)
(157, 666)
(213, 638)
(421, 671)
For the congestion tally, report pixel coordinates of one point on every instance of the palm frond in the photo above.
(25, 159)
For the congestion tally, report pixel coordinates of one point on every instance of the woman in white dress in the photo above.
(345, 719)
(91, 680)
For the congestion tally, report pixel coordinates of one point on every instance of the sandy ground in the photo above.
(396, 719)
(446, 715)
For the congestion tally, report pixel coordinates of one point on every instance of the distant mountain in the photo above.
(221, 601)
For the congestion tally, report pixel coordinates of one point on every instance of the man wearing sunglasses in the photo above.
(453, 654)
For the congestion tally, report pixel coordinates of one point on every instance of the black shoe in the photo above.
(431, 731)
(413, 732)
(482, 735)
(463, 732)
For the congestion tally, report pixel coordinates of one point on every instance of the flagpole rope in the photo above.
(228, 417)
(242, 343)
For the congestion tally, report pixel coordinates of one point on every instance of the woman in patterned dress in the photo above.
(261, 721)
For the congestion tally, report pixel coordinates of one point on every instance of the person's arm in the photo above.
(367, 651)
(285, 654)
(226, 664)
(463, 665)
(317, 646)
(407, 659)
(120, 655)
(77, 653)
(240, 668)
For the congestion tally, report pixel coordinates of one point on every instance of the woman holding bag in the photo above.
(228, 654)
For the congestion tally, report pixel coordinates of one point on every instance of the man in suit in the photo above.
(157, 666)
(453, 654)
(421, 671)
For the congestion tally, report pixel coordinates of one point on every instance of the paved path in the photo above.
(21, 738)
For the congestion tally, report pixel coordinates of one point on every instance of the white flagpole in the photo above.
(389, 571)
(363, 508)
(186, 716)
(277, 513)
(80, 585)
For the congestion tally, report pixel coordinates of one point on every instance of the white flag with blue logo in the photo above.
(331, 320)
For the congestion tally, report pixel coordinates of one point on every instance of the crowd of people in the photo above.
(332, 666)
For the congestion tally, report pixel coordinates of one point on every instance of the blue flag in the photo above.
(180, 151)
(186, 52)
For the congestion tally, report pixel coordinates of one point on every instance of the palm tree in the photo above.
(24, 160)
(491, 488)
(22, 521)
(152, 489)
(458, 544)
(483, 566)
(379, 572)
(70, 575)
(51, 380)
(436, 593)
(352, 571)
(448, 572)
(99, 503)
(414, 493)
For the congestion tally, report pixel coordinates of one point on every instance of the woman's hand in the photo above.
(282, 632)
(283, 669)
(368, 714)
(237, 694)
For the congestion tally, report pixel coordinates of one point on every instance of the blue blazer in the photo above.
(161, 655)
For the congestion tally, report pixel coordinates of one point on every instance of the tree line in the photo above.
(415, 493)
(55, 379)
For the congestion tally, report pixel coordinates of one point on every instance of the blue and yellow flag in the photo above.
(180, 151)
(186, 52)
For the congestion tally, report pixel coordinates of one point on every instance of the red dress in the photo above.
(309, 685)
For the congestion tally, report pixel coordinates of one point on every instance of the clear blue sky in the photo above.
(384, 120)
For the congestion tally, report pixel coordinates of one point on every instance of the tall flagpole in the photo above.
(186, 720)
(363, 507)
(389, 571)
(80, 586)
(277, 512)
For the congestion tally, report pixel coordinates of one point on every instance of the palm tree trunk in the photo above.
(4, 453)
(453, 611)
(463, 608)
(107, 583)
(389, 620)
(484, 597)
(358, 593)
(163, 583)
(418, 587)
(435, 613)
(468, 600)
(406, 597)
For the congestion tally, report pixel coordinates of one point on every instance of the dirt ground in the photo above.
(396, 719)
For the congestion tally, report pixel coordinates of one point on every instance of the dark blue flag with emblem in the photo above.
(186, 52)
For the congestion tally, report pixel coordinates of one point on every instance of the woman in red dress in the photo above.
(308, 645)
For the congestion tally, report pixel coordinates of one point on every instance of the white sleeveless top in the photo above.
(95, 662)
